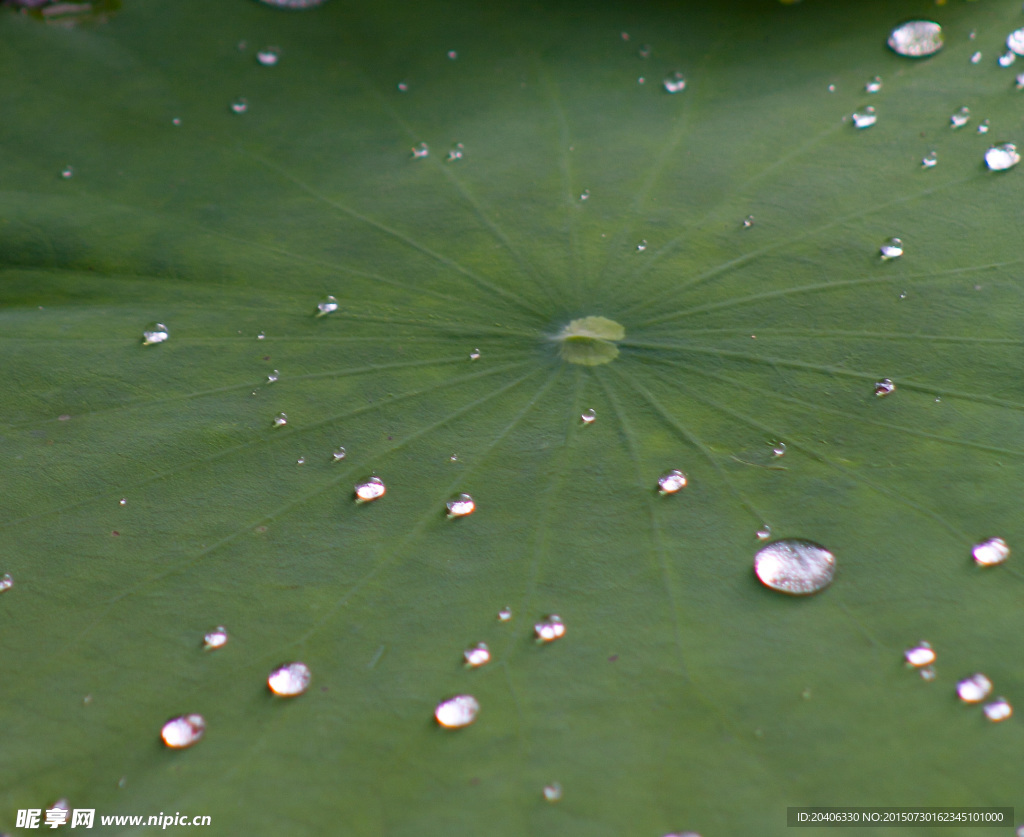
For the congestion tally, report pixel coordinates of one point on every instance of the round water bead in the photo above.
(960, 118)
(930, 160)
(67, 172)
(974, 689)
(589, 416)
(327, 306)
(920, 655)
(474, 355)
(892, 249)
(280, 420)
(984, 127)
(874, 85)
(339, 454)
(1007, 58)
(998, 710)
(217, 638)
(1002, 157)
(884, 387)
(274, 377)
(289, 680)
(240, 105)
(459, 711)
(795, 566)
(6, 582)
(553, 792)
(268, 57)
(478, 655)
(674, 83)
(156, 333)
(183, 731)
(865, 117)
(671, 482)
(420, 151)
(991, 552)
(916, 38)
(505, 614)
(1015, 41)
(549, 629)
(370, 489)
(460, 506)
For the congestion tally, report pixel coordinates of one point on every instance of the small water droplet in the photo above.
(927, 673)
(452, 54)
(261, 336)
(553, 792)
(1015, 41)
(156, 333)
(217, 638)
(874, 85)
(998, 710)
(420, 151)
(991, 552)
(327, 306)
(674, 83)
(795, 566)
(456, 152)
(184, 731)
(1020, 81)
(338, 455)
(456, 712)
(960, 118)
(549, 629)
(176, 122)
(884, 387)
(864, 118)
(764, 532)
(269, 57)
(974, 689)
(460, 506)
(402, 87)
(6, 582)
(641, 80)
(892, 249)
(301, 460)
(748, 222)
(240, 105)
(585, 195)
(916, 38)
(67, 172)
(778, 450)
(123, 501)
(273, 377)
(671, 482)
(642, 246)
(289, 680)
(1007, 58)
(920, 655)
(1002, 157)
(504, 614)
(976, 58)
(280, 420)
(474, 355)
(589, 416)
(930, 160)
(478, 655)
(983, 127)
(831, 88)
(453, 458)
(370, 489)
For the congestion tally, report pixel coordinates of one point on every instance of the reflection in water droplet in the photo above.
(460, 506)
(974, 689)
(916, 38)
(976, 58)
(1002, 157)
(455, 152)
(261, 336)
(674, 83)
(960, 118)
(6, 582)
(420, 151)
(273, 377)
(328, 306)
(123, 501)
(240, 105)
(585, 195)
(504, 614)
(991, 552)
(182, 732)
(892, 249)
(874, 85)
(268, 57)
(301, 460)
(474, 355)
(338, 455)
(930, 160)
(456, 712)
(795, 566)
(671, 482)
(865, 117)
(553, 792)
(983, 127)
(289, 680)
(1007, 58)
(280, 420)
(998, 710)
(369, 490)
(642, 246)
(67, 172)
(453, 458)
(156, 333)
(1015, 41)
(884, 387)
(478, 655)
(549, 629)
(748, 222)
(763, 533)
(217, 638)
(778, 450)
(589, 416)
(920, 655)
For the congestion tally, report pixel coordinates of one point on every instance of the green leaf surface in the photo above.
(147, 496)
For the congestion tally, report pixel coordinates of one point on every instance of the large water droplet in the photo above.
(874, 85)
(269, 57)
(590, 341)
(420, 151)
(456, 712)
(795, 566)
(671, 482)
(960, 118)
(289, 680)
(865, 117)
(930, 160)
(460, 506)
(549, 629)
(589, 416)
(920, 655)
(674, 83)
(998, 710)
(892, 249)
(1015, 41)
(553, 792)
(217, 638)
(240, 105)
(1002, 157)
(6, 582)
(916, 38)
(478, 655)
(338, 455)
(156, 333)
(184, 731)
(370, 489)
(280, 420)
(327, 306)
(991, 552)
(974, 689)
(884, 387)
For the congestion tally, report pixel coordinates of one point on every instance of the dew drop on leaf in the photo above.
(998, 710)
(974, 689)
(420, 151)
(456, 712)
(884, 387)
(268, 57)
(67, 172)
(6, 582)
(763, 533)
(289, 680)
(671, 482)
(960, 118)
(864, 118)
(183, 731)
(327, 306)
(991, 552)
(478, 655)
(217, 638)
(370, 489)
(549, 629)
(927, 673)
(460, 506)
(874, 85)
(892, 249)
(916, 38)
(589, 416)
(748, 222)
(1015, 41)
(156, 333)
(976, 58)
(273, 377)
(641, 246)
(280, 420)
(456, 152)
(240, 105)
(553, 792)
(338, 455)
(474, 355)
(674, 83)
(795, 566)
(505, 614)
(984, 126)
(920, 655)
(930, 160)
(1002, 157)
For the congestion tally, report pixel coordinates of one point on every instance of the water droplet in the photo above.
(916, 38)
(671, 482)
(674, 83)
(460, 506)
(217, 638)
(976, 58)
(478, 655)
(289, 680)
(960, 118)
(892, 249)
(920, 655)
(156, 333)
(301, 460)
(642, 246)
(763, 533)
(456, 712)
(549, 629)
(585, 195)
(338, 455)
(1020, 81)
(280, 420)
(991, 552)
(6, 582)
(273, 377)
(884, 387)
(874, 85)
(327, 306)
(420, 151)
(865, 117)
(831, 88)
(67, 172)
(456, 152)
(452, 54)
(261, 336)
(589, 416)
(974, 689)
(641, 80)
(983, 127)
(1015, 41)
(370, 489)
(927, 673)
(795, 566)
(553, 792)
(998, 710)
(930, 160)
(504, 614)
(778, 450)
(184, 731)
(240, 105)
(1007, 58)
(453, 458)
(748, 222)
(123, 501)
(1002, 157)
(269, 57)
(474, 355)
(176, 122)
